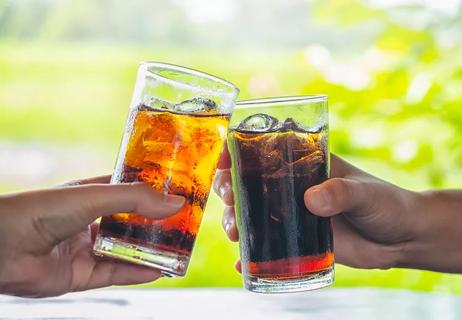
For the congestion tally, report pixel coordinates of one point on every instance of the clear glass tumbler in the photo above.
(279, 148)
(173, 138)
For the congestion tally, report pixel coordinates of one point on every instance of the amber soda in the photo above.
(174, 147)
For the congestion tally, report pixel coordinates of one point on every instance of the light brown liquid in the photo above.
(174, 153)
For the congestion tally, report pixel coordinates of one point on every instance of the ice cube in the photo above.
(259, 122)
(196, 105)
(156, 103)
(272, 161)
(308, 171)
(291, 125)
(317, 129)
(292, 141)
(304, 166)
(308, 164)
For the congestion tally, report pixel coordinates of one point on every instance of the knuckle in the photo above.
(228, 197)
(227, 176)
(217, 181)
(339, 189)
(142, 188)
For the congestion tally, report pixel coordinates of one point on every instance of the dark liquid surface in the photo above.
(272, 170)
(174, 153)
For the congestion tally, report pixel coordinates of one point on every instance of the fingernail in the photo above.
(227, 226)
(223, 189)
(320, 199)
(174, 201)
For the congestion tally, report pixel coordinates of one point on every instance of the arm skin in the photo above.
(376, 224)
(46, 236)
(438, 242)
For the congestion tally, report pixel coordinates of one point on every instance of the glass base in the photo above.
(169, 263)
(316, 281)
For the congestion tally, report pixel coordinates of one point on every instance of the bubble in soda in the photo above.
(196, 105)
(259, 122)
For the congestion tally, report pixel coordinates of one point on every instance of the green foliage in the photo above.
(345, 12)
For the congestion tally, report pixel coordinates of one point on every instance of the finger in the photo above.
(99, 179)
(225, 159)
(94, 228)
(238, 266)
(60, 213)
(222, 186)
(107, 273)
(338, 195)
(339, 167)
(342, 169)
(229, 223)
(102, 200)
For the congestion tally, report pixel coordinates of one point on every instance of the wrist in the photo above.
(436, 239)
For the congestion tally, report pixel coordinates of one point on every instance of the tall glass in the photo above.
(173, 137)
(279, 149)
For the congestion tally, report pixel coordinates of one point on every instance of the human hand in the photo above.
(379, 225)
(46, 240)
(372, 220)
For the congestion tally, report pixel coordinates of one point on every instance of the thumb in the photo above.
(338, 195)
(60, 213)
(103, 200)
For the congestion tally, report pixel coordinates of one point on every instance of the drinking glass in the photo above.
(279, 149)
(173, 138)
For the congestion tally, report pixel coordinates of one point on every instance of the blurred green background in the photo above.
(392, 70)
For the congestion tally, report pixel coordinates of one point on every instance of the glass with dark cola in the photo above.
(173, 139)
(279, 149)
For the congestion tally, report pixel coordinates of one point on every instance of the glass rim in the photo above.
(286, 100)
(225, 86)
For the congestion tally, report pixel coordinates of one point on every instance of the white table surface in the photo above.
(236, 304)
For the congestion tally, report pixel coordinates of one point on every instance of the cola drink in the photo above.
(273, 164)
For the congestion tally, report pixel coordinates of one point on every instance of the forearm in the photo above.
(437, 241)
